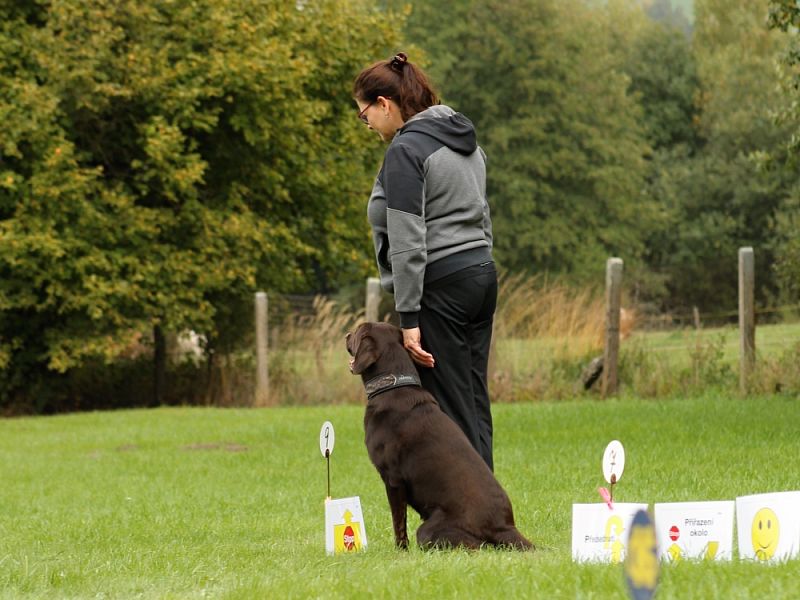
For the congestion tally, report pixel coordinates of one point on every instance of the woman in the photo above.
(433, 238)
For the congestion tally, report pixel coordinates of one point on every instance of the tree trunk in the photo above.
(159, 364)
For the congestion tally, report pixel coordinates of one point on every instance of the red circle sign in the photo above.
(674, 533)
(349, 538)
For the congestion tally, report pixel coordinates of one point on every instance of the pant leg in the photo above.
(456, 324)
(443, 330)
(480, 341)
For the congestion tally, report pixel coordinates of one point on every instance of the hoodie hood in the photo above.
(445, 125)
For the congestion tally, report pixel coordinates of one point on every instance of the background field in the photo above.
(190, 503)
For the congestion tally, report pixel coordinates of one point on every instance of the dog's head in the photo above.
(368, 343)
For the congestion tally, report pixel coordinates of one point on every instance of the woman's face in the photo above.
(382, 116)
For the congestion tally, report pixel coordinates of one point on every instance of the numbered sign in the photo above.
(613, 461)
(326, 439)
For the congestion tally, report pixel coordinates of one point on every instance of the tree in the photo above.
(708, 112)
(163, 160)
(723, 198)
(563, 137)
(657, 60)
(672, 14)
(785, 16)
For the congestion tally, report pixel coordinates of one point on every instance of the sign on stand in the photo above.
(599, 533)
(768, 526)
(344, 526)
(344, 522)
(695, 530)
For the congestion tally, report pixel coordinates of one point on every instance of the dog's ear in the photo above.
(365, 353)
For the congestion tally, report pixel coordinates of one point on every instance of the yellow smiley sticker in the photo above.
(765, 533)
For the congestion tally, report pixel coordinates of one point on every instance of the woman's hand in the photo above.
(412, 339)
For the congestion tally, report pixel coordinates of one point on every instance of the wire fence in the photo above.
(307, 362)
(295, 308)
(686, 318)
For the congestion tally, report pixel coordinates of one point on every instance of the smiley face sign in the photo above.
(768, 526)
(765, 533)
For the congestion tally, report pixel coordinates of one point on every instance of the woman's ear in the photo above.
(385, 104)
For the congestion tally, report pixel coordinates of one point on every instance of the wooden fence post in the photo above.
(747, 317)
(613, 305)
(373, 299)
(262, 348)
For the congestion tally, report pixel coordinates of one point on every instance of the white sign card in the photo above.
(768, 526)
(344, 526)
(599, 534)
(613, 461)
(695, 530)
(326, 439)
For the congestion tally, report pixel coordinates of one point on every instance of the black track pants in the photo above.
(455, 321)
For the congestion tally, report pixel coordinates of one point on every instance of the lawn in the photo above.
(190, 503)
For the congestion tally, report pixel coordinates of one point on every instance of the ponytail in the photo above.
(398, 79)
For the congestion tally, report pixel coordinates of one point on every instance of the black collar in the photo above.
(383, 383)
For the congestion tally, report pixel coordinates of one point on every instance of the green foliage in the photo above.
(562, 134)
(610, 133)
(663, 77)
(787, 265)
(675, 13)
(162, 160)
(713, 189)
(785, 16)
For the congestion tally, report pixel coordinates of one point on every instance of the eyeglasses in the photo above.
(362, 116)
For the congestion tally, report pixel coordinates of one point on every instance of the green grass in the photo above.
(190, 503)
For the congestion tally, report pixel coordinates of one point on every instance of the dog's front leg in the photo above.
(398, 503)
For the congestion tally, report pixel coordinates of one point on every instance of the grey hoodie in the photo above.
(428, 208)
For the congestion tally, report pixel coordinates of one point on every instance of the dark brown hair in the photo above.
(398, 79)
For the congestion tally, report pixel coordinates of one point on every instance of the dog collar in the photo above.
(383, 383)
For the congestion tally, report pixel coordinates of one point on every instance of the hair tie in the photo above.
(399, 61)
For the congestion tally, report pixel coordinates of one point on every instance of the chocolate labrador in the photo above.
(423, 457)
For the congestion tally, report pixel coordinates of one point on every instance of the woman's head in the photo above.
(398, 80)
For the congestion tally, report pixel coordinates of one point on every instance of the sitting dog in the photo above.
(423, 457)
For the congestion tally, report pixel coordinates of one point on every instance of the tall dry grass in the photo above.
(546, 333)
(536, 308)
(309, 364)
(308, 361)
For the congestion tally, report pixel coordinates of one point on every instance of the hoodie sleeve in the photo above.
(487, 219)
(404, 183)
